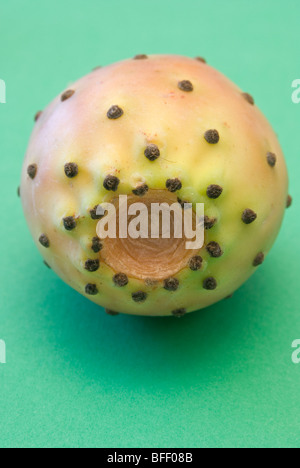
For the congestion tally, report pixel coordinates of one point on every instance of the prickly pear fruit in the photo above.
(158, 129)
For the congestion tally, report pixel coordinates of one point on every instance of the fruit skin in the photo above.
(82, 128)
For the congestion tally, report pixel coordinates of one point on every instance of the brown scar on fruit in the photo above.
(44, 241)
(91, 289)
(289, 201)
(210, 284)
(32, 170)
(67, 94)
(115, 112)
(71, 170)
(212, 136)
(171, 284)
(185, 85)
(37, 115)
(69, 223)
(195, 263)
(173, 185)
(152, 152)
(111, 183)
(248, 98)
(271, 159)
(214, 250)
(120, 279)
(96, 245)
(92, 265)
(19, 191)
(179, 312)
(111, 312)
(47, 265)
(149, 258)
(259, 259)
(139, 296)
(214, 191)
(141, 190)
(249, 216)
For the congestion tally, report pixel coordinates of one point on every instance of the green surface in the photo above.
(75, 377)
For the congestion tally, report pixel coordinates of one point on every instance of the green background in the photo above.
(75, 377)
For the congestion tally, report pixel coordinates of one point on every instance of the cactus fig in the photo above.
(157, 128)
